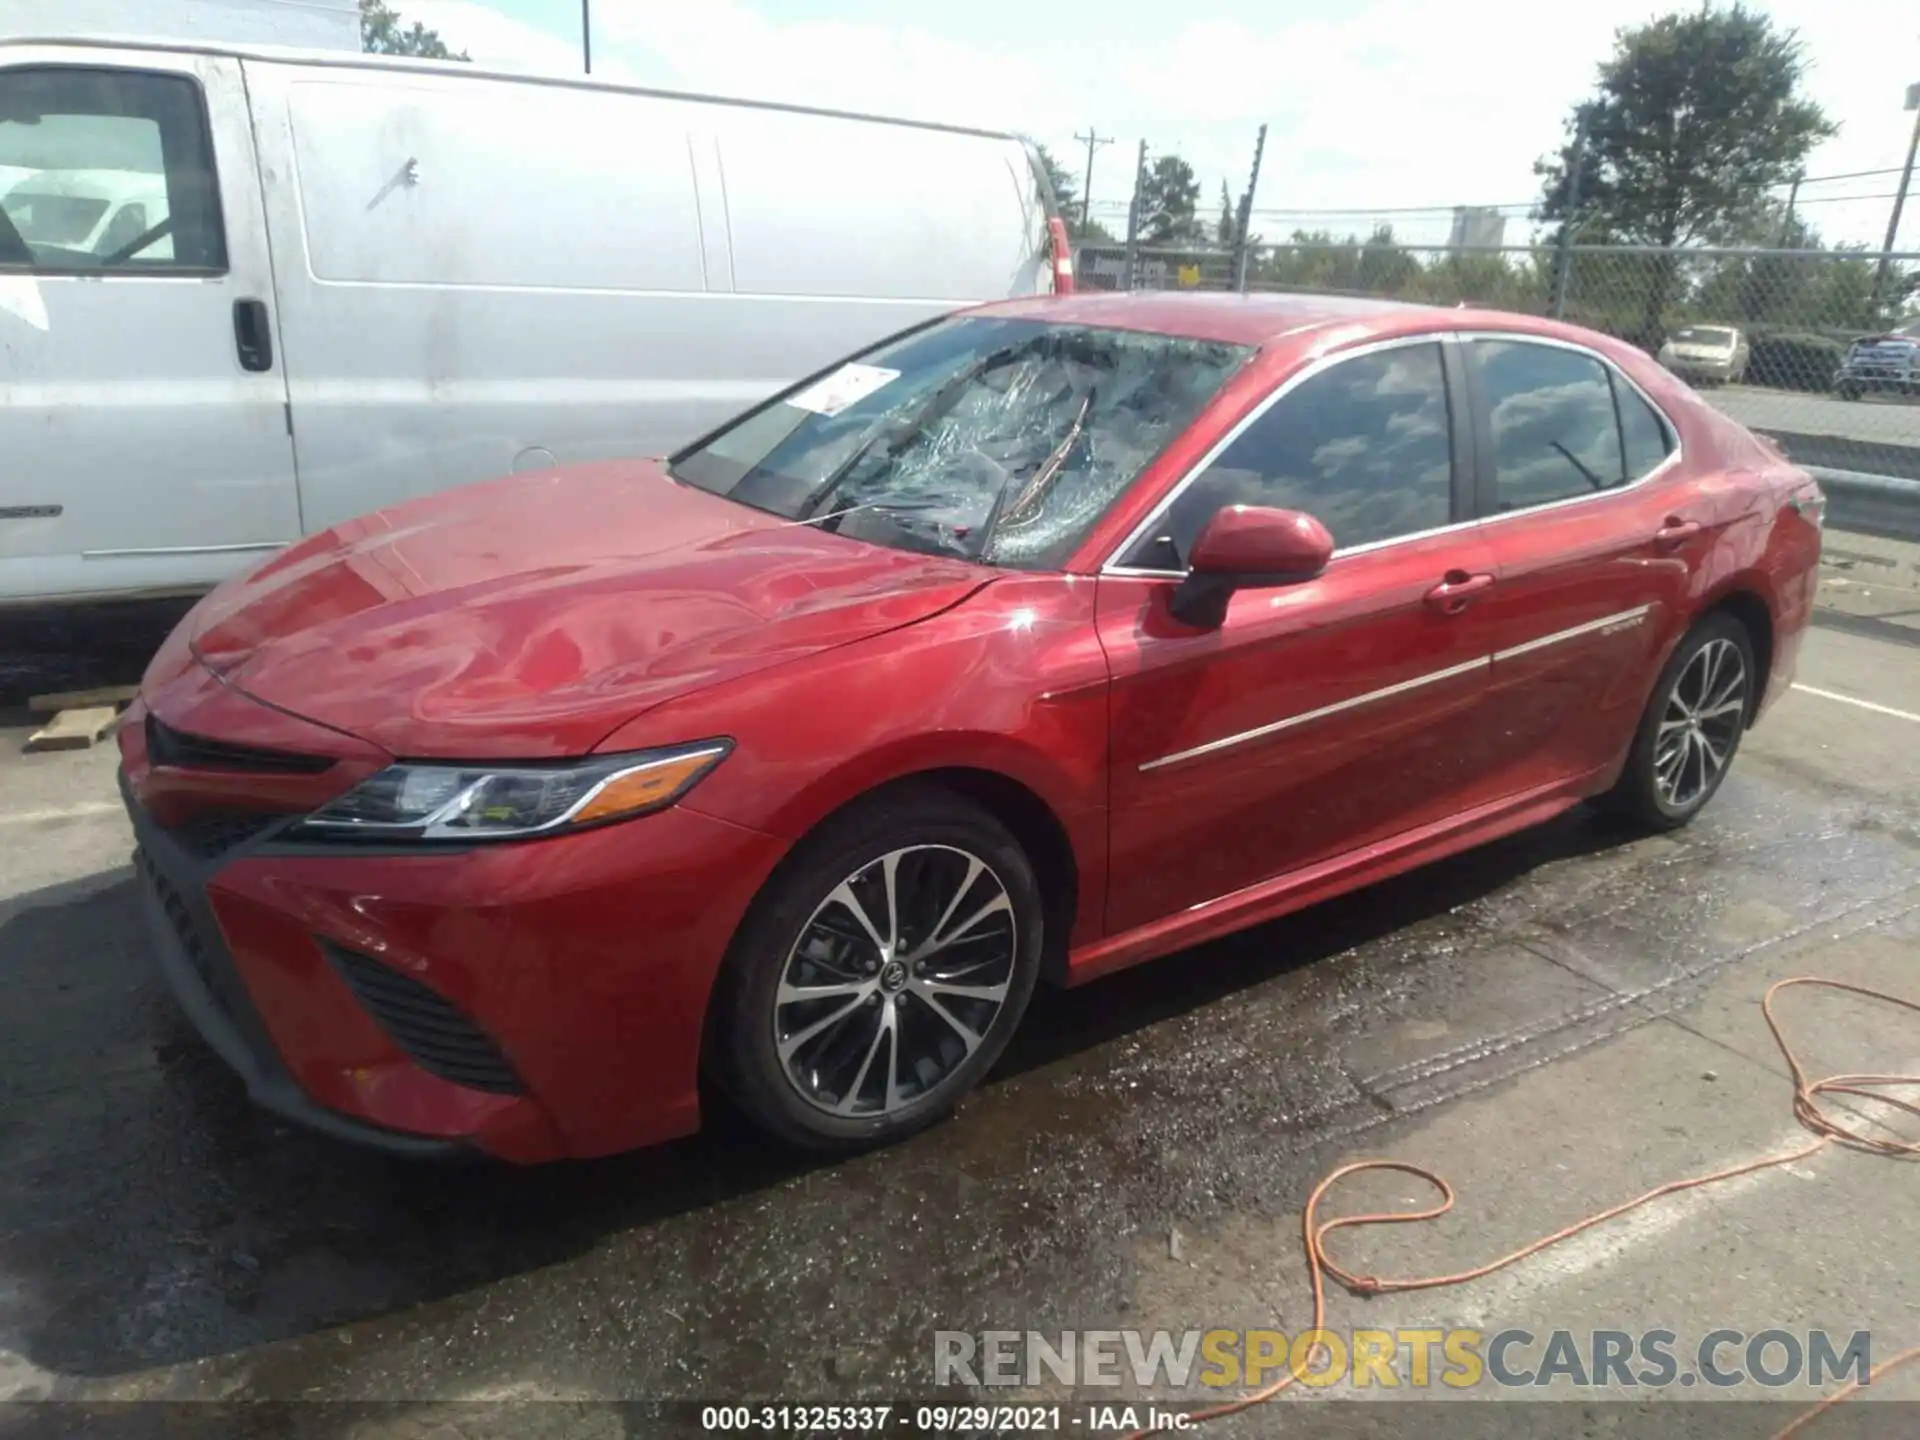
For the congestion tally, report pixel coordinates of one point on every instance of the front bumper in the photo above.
(582, 963)
(200, 971)
(1722, 370)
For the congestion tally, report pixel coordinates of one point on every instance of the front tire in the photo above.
(880, 974)
(1692, 726)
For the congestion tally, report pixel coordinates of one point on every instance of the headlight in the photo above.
(506, 802)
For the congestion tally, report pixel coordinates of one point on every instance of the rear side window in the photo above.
(1364, 446)
(1642, 432)
(108, 170)
(1552, 420)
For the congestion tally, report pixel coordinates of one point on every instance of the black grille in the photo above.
(212, 833)
(437, 1037)
(168, 746)
(188, 933)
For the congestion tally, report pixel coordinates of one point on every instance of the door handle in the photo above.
(1457, 591)
(1676, 531)
(252, 337)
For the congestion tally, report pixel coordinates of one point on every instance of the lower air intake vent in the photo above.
(212, 833)
(435, 1036)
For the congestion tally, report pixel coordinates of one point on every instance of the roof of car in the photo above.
(1250, 319)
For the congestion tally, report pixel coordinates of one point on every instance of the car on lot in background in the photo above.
(1888, 363)
(1030, 644)
(88, 212)
(1707, 354)
(307, 284)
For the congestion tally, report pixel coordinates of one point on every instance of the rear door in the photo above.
(1323, 716)
(1596, 534)
(144, 429)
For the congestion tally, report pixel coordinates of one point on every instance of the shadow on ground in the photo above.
(152, 1216)
(61, 648)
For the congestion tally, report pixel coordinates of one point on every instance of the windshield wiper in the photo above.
(1574, 460)
(1043, 477)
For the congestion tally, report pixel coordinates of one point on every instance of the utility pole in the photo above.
(1242, 247)
(1899, 203)
(1793, 195)
(1093, 139)
(586, 33)
(1563, 263)
(1134, 216)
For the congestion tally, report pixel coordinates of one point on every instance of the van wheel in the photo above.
(880, 974)
(1692, 727)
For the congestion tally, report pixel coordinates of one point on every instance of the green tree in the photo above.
(1228, 225)
(382, 32)
(1694, 114)
(1169, 200)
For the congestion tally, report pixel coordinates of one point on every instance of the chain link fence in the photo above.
(1819, 349)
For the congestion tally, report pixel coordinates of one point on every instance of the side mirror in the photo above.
(1247, 547)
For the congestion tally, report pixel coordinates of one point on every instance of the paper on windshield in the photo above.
(848, 385)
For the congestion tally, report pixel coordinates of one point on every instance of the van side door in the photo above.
(145, 428)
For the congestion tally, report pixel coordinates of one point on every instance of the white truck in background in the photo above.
(359, 279)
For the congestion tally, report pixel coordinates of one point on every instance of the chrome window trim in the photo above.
(1620, 619)
(1112, 565)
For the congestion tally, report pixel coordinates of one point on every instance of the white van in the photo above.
(360, 279)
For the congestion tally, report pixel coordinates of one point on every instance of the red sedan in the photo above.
(1035, 642)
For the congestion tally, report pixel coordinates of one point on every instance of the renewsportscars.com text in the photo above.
(1414, 1358)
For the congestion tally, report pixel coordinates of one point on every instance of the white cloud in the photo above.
(1394, 103)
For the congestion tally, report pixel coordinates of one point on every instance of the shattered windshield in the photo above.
(994, 440)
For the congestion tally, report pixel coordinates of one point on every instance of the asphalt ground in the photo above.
(1554, 1022)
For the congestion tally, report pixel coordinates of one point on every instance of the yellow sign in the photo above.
(1189, 274)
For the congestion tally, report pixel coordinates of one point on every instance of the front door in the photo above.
(144, 427)
(1322, 716)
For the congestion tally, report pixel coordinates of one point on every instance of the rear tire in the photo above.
(916, 918)
(1692, 727)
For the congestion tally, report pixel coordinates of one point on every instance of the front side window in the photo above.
(987, 439)
(1365, 447)
(111, 170)
(1552, 420)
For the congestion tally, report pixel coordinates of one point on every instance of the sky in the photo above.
(1377, 109)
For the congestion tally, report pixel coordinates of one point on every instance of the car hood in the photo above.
(529, 617)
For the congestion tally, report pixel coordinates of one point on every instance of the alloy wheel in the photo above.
(1701, 724)
(895, 980)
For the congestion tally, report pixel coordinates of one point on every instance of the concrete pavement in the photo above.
(1554, 1022)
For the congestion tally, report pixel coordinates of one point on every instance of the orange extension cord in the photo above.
(1806, 1108)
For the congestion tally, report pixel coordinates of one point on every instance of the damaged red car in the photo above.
(1037, 641)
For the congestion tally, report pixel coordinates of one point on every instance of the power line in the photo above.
(1842, 199)
(1849, 175)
